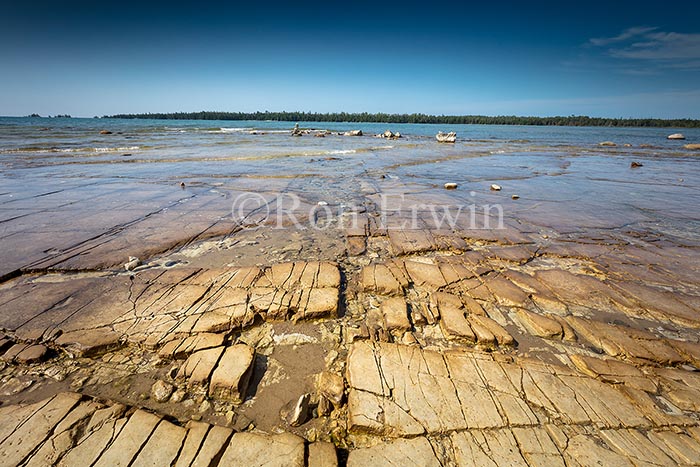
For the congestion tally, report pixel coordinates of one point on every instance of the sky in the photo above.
(606, 59)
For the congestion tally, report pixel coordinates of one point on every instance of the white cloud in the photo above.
(671, 49)
(662, 46)
(623, 36)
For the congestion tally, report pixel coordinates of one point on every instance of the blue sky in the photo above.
(617, 59)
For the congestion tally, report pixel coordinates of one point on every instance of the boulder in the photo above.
(676, 136)
(450, 137)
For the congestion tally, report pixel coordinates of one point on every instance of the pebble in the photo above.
(450, 186)
(161, 391)
(178, 396)
(495, 187)
(205, 406)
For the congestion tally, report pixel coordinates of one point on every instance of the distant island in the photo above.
(365, 117)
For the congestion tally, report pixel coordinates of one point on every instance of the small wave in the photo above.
(68, 150)
(230, 130)
(376, 148)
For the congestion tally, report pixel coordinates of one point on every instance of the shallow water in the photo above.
(63, 182)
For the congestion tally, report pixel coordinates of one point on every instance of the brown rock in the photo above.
(161, 391)
(692, 147)
(249, 449)
(199, 366)
(32, 354)
(232, 375)
(540, 325)
(331, 386)
(395, 314)
(400, 452)
(322, 454)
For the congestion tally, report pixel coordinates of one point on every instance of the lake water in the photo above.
(62, 181)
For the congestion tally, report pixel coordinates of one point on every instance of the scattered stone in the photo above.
(676, 136)
(450, 137)
(635, 165)
(388, 134)
(299, 413)
(178, 396)
(332, 387)
(495, 187)
(161, 391)
(450, 186)
(607, 144)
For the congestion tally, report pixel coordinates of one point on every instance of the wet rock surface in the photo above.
(566, 336)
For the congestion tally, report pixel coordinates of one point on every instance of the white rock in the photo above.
(676, 136)
(450, 186)
(495, 187)
(450, 137)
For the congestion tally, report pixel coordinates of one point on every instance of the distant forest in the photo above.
(365, 117)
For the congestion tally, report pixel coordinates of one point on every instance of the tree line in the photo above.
(364, 117)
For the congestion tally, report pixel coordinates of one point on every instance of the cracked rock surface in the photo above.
(567, 336)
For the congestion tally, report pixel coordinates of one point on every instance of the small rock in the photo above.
(634, 165)
(322, 203)
(182, 184)
(105, 132)
(205, 406)
(450, 186)
(515, 196)
(353, 133)
(676, 136)
(607, 144)
(331, 386)
(132, 264)
(694, 147)
(299, 414)
(143, 396)
(32, 354)
(178, 396)
(161, 391)
(196, 417)
(495, 187)
(627, 145)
